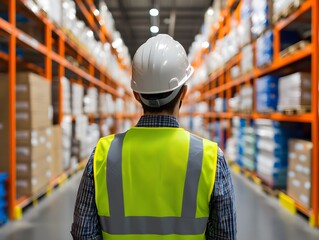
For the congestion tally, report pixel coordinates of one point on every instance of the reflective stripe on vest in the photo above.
(186, 224)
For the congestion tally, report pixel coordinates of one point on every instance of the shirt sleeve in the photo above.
(222, 219)
(85, 219)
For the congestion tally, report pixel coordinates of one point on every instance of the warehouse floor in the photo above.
(259, 217)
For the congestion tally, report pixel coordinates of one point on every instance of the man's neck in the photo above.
(176, 115)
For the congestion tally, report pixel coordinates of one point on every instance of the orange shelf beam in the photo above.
(306, 118)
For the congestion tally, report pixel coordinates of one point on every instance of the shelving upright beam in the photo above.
(12, 110)
(61, 73)
(315, 123)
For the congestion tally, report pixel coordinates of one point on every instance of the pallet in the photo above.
(294, 208)
(265, 65)
(269, 190)
(294, 48)
(296, 110)
(266, 111)
(251, 175)
(246, 111)
(284, 13)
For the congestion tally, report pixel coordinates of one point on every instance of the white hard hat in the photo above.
(160, 65)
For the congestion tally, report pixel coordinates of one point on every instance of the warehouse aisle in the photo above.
(259, 217)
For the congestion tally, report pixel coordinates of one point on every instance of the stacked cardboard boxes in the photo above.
(295, 91)
(4, 123)
(271, 159)
(56, 167)
(66, 126)
(34, 159)
(34, 133)
(249, 160)
(299, 174)
(246, 99)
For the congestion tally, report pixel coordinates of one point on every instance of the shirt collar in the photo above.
(157, 121)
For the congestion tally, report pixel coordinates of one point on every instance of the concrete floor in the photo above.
(259, 217)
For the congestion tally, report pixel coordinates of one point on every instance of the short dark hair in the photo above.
(169, 107)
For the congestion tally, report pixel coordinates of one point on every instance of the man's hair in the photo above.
(169, 107)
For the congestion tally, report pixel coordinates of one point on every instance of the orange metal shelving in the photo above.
(57, 56)
(219, 83)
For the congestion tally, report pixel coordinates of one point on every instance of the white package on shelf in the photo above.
(90, 100)
(259, 18)
(102, 103)
(281, 5)
(89, 142)
(294, 91)
(106, 126)
(246, 98)
(219, 105)
(247, 59)
(119, 105)
(81, 127)
(69, 14)
(244, 34)
(234, 103)
(110, 103)
(55, 11)
(77, 98)
(231, 149)
(66, 91)
(66, 126)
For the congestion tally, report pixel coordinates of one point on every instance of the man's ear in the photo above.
(185, 89)
(137, 96)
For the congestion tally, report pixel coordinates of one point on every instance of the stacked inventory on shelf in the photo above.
(82, 67)
(299, 171)
(261, 57)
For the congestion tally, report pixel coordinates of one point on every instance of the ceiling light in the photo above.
(154, 29)
(154, 12)
(117, 43)
(89, 33)
(205, 44)
(210, 11)
(96, 12)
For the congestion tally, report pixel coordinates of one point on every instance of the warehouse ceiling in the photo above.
(133, 21)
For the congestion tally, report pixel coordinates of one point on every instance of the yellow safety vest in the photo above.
(154, 183)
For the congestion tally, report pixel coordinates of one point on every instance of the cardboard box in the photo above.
(299, 188)
(56, 165)
(33, 185)
(31, 169)
(34, 120)
(299, 171)
(33, 96)
(33, 144)
(4, 124)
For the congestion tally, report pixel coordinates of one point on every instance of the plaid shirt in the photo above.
(222, 219)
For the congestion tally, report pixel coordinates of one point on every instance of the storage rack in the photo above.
(219, 83)
(53, 51)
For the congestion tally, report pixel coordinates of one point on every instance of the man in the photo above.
(156, 181)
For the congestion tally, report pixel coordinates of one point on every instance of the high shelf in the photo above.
(221, 84)
(51, 59)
